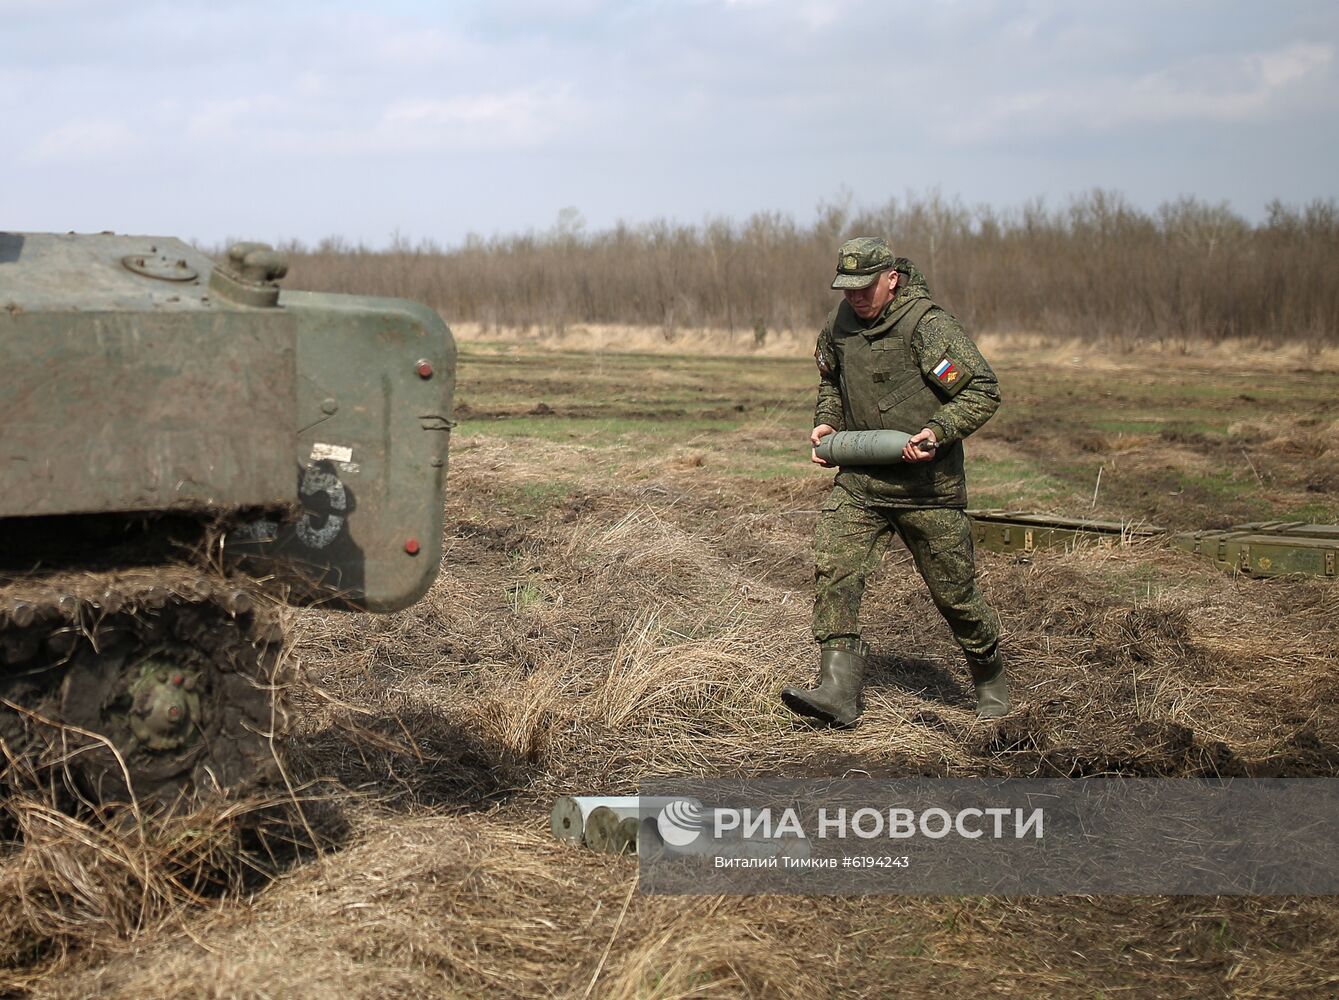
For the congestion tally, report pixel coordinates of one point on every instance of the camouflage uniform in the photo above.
(911, 367)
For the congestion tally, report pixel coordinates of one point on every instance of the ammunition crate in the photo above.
(1258, 549)
(1269, 548)
(1019, 532)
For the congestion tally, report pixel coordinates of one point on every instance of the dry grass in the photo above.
(85, 883)
(638, 622)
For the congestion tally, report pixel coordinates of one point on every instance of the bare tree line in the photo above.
(1096, 268)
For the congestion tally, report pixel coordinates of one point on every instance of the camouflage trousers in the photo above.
(850, 541)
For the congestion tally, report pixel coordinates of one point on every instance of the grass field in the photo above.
(1182, 441)
(627, 584)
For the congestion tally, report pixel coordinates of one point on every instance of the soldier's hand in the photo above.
(921, 447)
(820, 432)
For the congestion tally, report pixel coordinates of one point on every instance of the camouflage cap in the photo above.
(860, 261)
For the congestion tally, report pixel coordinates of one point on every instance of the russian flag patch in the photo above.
(946, 372)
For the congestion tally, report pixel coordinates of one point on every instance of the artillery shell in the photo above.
(626, 837)
(602, 830)
(864, 447)
(570, 813)
(609, 833)
(567, 819)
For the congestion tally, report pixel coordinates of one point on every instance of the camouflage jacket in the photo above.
(913, 366)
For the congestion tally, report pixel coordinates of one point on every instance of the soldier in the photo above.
(889, 358)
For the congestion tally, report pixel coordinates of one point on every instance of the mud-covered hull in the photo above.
(183, 449)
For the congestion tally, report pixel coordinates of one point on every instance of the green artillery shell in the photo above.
(602, 829)
(571, 813)
(863, 447)
(609, 833)
(628, 830)
(649, 842)
(567, 821)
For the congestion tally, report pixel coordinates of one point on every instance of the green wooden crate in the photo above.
(1269, 548)
(1021, 532)
(1258, 549)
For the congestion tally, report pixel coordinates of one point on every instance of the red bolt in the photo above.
(411, 546)
(178, 680)
(174, 713)
(424, 368)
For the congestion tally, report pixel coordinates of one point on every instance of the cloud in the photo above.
(19, 8)
(813, 14)
(500, 119)
(325, 124)
(415, 48)
(312, 85)
(84, 141)
(647, 107)
(819, 15)
(1231, 89)
(1276, 69)
(230, 119)
(1235, 89)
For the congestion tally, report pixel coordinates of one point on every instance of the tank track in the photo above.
(157, 686)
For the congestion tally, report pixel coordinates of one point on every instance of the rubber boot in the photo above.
(992, 685)
(836, 699)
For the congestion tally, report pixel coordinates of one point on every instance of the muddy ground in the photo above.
(627, 584)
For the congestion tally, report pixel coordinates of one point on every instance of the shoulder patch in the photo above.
(950, 374)
(821, 358)
(946, 371)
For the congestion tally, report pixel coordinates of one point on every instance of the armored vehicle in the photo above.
(184, 448)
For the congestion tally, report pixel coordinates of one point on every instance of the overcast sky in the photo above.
(295, 119)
